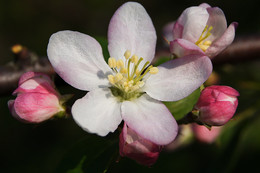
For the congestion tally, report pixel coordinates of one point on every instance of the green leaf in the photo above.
(180, 108)
(78, 169)
(91, 154)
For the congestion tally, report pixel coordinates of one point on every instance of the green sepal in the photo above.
(182, 107)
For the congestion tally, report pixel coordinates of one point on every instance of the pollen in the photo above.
(128, 77)
(202, 42)
(127, 54)
(153, 70)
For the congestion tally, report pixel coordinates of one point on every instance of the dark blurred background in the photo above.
(59, 145)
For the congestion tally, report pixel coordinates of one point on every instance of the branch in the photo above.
(242, 49)
(24, 61)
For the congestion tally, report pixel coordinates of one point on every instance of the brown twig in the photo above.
(242, 49)
(24, 61)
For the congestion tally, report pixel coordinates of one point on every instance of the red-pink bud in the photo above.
(137, 148)
(217, 105)
(37, 100)
(203, 134)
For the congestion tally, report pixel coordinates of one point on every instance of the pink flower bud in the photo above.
(217, 105)
(137, 148)
(203, 134)
(37, 100)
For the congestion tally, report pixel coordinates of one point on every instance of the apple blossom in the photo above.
(135, 147)
(217, 105)
(37, 100)
(201, 29)
(205, 135)
(126, 88)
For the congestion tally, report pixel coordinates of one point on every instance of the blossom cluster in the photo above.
(128, 88)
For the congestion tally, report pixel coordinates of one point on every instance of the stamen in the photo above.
(134, 59)
(135, 68)
(120, 64)
(146, 71)
(202, 37)
(123, 70)
(112, 62)
(123, 81)
(153, 70)
(118, 77)
(111, 79)
(204, 45)
(127, 54)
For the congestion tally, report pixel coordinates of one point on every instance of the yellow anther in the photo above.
(203, 47)
(120, 64)
(118, 77)
(153, 70)
(127, 54)
(140, 84)
(111, 79)
(134, 59)
(208, 42)
(112, 62)
(17, 48)
(123, 70)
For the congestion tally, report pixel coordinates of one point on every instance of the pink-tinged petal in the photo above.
(10, 104)
(204, 5)
(97, 112)
(36, 84)
(218, 21)
(132, 29)
(135, 147)
(193, 20)
(150, 119)
(181, 47)
(177, 30)
(36, 107)
(28, 75)
(167, 31)
(225, 40)
(218, 113)
(78, 59)
(178, 78)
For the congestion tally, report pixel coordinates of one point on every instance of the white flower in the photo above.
(125, 88)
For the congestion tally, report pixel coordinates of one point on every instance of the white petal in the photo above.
(178, 78)
(150, 119)
(218, 21)
(97, 112)
(193, 20)
(132, 29)
(78, 59)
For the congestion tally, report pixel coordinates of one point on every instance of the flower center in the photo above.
(128, 79)
(202, 42)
